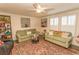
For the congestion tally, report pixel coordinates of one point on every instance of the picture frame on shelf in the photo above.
(7, 19)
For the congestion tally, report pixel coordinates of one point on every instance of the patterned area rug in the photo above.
(41, 48)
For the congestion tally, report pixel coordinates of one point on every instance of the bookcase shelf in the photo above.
(5, 27)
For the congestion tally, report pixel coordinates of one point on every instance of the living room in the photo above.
(54, 20)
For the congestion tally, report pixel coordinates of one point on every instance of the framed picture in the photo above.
(25, 22)
(44, 22)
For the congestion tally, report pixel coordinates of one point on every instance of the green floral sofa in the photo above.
(23, 35)
(59, 37)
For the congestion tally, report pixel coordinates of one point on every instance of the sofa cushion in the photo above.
(65, 34)
(28, 32)
(60, 39)
(57, 33)
(33, 31)
(22, 32)
(22, 37)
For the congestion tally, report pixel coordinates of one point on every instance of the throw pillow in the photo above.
(57, 33)
(29, 32)
(50, 32)
(65, 35)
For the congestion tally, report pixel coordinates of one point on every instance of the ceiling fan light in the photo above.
(39, 10)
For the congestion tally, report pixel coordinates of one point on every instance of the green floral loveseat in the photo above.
(23, 35)
(59, 37)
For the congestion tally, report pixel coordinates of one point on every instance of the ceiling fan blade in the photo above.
(49, 9)
(35, 5)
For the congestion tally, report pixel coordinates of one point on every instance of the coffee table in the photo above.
(35, 38)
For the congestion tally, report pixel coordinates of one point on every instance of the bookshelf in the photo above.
(5, 27)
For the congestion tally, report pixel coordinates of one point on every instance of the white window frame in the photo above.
(72, 22)
(54, 21)
(67, 23)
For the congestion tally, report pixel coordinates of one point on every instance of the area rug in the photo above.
(43, 47)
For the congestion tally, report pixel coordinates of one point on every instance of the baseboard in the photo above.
(75, 47)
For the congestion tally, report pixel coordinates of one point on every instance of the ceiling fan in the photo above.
(39, 9)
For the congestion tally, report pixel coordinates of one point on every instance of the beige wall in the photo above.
(16, 22)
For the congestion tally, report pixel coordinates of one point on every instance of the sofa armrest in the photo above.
(18, 35)
(69, 38)
(69, 41)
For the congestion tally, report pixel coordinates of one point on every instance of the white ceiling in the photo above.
(27, 8)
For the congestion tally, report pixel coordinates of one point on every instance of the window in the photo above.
(71, 20)
(54, 21)
(64, 20)
(68, 20)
